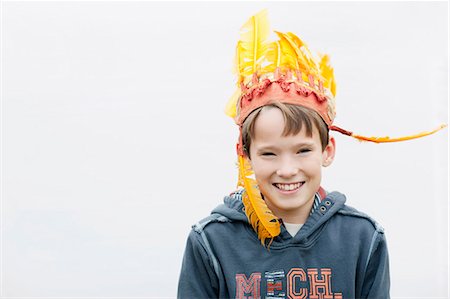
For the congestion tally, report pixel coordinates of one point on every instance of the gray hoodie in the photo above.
(338, 253)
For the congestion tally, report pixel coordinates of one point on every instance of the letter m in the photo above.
(248, 286)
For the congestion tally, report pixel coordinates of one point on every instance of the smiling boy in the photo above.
(287, 157)
(324, 249)
(281, 235)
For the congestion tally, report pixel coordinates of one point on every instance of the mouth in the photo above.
(288, 188)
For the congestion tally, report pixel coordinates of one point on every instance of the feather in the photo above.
(397, 139)
(327, 74)
(289, 58)
(252, 47)
(237, 61)
(263, 221)
(297, 54)
(304, 51)
(230, 108)
(273, 57)
(385, 139)
(277, 46)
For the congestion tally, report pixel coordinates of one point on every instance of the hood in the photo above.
(232, 208)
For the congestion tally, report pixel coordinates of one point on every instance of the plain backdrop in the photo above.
(114, 139)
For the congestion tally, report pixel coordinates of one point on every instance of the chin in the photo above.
(288, 204)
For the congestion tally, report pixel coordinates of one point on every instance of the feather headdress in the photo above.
(288, 71)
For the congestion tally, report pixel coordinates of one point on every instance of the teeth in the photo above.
(288, 187)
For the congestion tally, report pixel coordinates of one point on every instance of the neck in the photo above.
(297, 215)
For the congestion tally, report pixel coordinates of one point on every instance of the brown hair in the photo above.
(295, 117)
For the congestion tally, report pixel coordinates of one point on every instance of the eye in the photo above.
(304, 150)
(267, 154)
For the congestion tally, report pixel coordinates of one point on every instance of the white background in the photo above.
(114, 140)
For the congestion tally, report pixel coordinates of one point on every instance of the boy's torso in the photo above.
(326, 259)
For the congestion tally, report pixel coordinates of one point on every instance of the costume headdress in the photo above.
(287, 71)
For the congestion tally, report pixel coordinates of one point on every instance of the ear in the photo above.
(329, 152)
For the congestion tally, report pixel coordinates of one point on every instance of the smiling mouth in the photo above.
(289, 187)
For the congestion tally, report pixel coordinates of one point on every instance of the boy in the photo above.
(282, 235)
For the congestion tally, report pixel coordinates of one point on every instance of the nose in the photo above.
(287, 169)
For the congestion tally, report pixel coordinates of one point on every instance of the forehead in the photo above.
(269, 127)
(269, 121)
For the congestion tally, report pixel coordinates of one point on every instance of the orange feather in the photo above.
(263, 221)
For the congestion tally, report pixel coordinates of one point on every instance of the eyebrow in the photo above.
(274, 147)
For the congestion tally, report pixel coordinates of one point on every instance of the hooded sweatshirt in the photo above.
(338, 253)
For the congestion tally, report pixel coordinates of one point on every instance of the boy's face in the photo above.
(288, 169)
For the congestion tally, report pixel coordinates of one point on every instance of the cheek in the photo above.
(313, 165)
(262, 169)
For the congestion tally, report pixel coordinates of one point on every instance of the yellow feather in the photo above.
(327, 74)
(288, 54)
(273, 58)
(237, 59)
(403, 138)
(230, 108)
(263, 221)
(253, 45)
(245, 170)
(292, 44)
(305, 53)
(277, 46)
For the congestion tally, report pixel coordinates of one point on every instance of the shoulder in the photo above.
(231, 211)
(200, 226)
(350, 216)
(204, 230)
(366, 231)
(360, 219)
